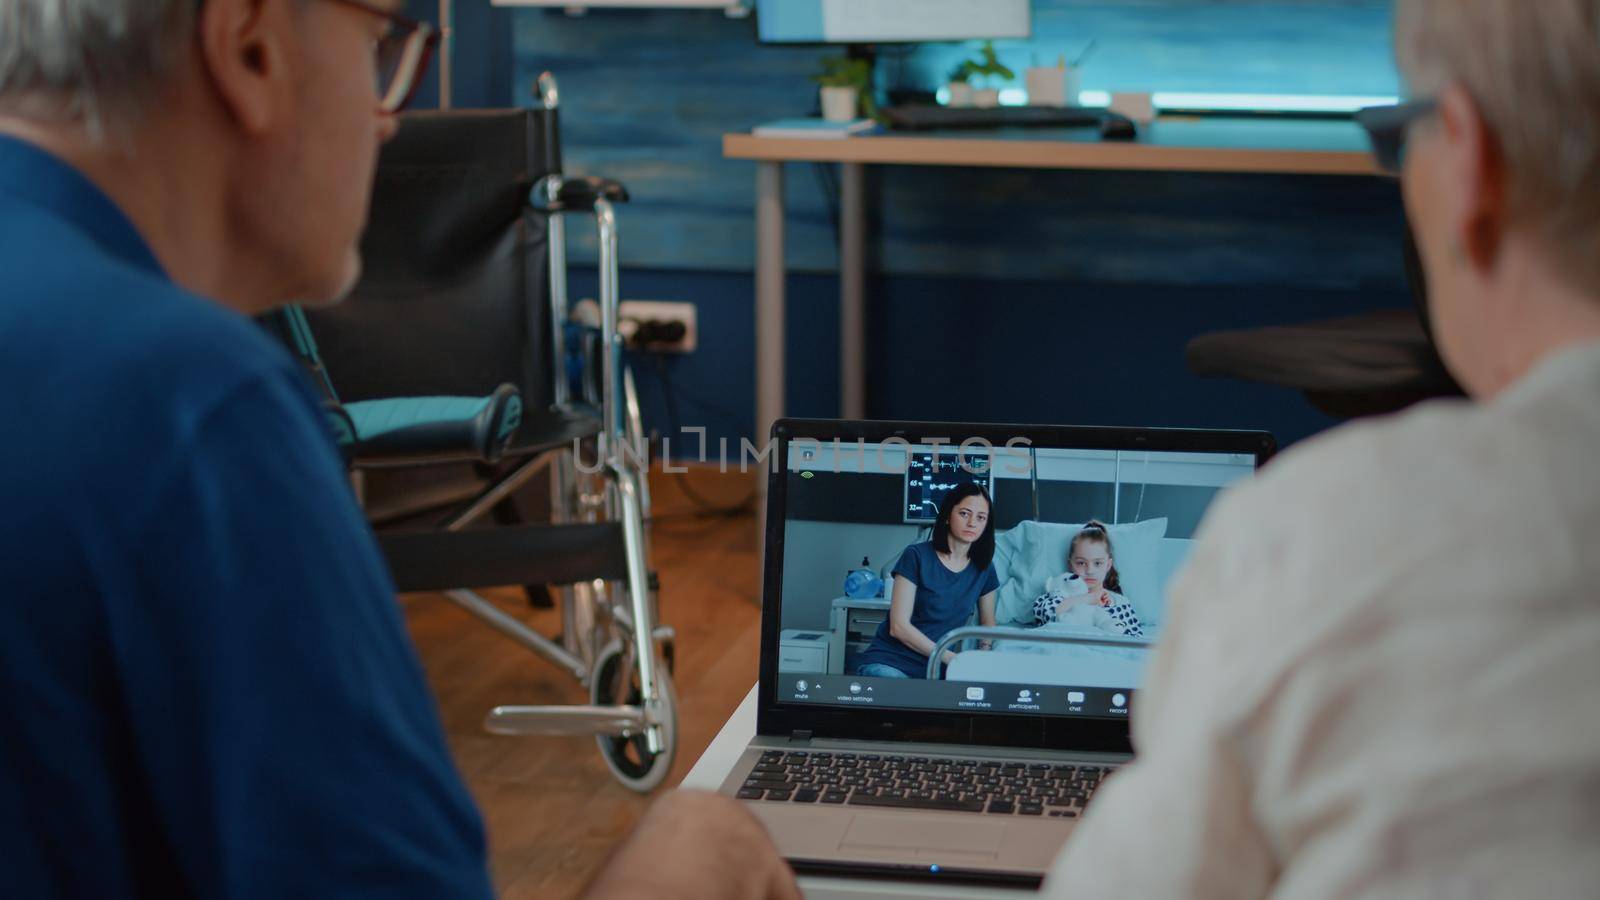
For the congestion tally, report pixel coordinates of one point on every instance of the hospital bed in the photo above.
(1042, 656)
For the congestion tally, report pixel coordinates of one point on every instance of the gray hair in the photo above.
(1533, 68)
(93, 62)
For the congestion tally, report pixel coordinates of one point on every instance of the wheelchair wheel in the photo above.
(629, 760)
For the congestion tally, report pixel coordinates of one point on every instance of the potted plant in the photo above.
(976, 82)
(846, 88)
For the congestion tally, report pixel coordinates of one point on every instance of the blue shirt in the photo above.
(207, 686)
(945, 601)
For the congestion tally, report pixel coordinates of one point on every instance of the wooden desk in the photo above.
(1257, 146)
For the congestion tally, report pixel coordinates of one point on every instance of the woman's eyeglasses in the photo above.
(402, 55)
(1387, 127)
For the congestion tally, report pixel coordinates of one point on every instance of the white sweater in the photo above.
(1380, 673)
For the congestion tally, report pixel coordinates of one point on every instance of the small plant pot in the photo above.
(960, 93)
(839, 104)
(987, 98)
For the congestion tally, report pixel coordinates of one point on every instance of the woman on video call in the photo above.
(937, 585)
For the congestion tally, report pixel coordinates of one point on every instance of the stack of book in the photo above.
(814, 128)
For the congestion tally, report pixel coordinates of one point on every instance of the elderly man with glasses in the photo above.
(207, 686)
(1380, 669)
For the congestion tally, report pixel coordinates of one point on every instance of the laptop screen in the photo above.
(1036, 574)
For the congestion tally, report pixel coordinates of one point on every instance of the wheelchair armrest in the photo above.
(344, 427)
(423, 429)
(580, 194)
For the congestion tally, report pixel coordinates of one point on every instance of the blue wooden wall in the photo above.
(648, 96)
(1123, 267)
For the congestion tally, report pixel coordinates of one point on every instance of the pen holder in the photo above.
(1053, 86)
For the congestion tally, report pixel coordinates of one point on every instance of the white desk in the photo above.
(718, 760)
(1171, 144)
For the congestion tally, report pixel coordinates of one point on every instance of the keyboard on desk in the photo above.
(918, 118)
(923, 783)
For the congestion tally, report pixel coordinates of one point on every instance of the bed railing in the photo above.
(1032, 635)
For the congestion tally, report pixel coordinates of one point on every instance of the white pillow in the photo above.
(1033, 552)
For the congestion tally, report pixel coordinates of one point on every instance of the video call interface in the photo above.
(1062, 619)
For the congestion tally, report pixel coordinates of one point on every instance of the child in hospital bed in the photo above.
(1087, 594)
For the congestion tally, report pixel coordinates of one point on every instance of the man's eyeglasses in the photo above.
(1387, 127)
(402, 55)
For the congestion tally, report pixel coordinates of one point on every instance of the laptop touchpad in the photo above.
(903, 833)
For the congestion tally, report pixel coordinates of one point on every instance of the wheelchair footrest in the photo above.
(487, 557)
(615, 721)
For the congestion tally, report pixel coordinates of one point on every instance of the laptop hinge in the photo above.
(800, 736)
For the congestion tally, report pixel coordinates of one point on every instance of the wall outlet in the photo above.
(652, 315)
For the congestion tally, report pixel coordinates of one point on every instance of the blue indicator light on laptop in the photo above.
(933, 870)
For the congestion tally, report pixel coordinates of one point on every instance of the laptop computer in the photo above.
(869, 760)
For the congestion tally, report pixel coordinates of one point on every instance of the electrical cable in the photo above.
(705, 508)
(698, 403)
(1144, 483)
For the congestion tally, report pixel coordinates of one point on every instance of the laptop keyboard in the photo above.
(919, 782)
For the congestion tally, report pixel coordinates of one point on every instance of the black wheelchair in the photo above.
(452, 352)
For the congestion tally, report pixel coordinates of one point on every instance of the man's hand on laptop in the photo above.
(696, 844)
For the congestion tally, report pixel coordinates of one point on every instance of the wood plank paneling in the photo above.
(647, 97)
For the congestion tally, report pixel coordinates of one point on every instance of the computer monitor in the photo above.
(930, 475)
(890, 21)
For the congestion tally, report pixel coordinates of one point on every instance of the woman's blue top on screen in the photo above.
(945, 601)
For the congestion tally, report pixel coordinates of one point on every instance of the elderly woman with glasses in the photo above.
(1380, 666)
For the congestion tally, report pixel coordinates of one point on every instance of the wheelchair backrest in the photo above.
(454, 295)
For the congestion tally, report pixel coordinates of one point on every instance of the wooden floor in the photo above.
(553, 810)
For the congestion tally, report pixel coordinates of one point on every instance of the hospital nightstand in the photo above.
(800, 650)
(851, 624)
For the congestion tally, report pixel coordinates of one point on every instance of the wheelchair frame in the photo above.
(609, 646)
(611, 643)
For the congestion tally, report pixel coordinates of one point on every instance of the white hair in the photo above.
(92, 62)
(1533, 68)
